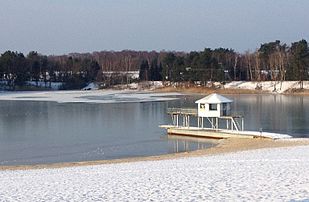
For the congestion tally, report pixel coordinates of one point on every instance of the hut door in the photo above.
(224, 106)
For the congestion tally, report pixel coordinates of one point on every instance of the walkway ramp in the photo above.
(220, 133)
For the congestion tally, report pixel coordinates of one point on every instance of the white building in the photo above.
(214, 106)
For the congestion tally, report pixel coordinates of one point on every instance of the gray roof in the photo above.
(214, 99)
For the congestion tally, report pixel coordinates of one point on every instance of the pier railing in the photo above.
(235, 122)
(184, 111)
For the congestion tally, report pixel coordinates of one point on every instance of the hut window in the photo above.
(202, 106)
(212, 107)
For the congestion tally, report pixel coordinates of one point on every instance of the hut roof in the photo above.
(214, 99)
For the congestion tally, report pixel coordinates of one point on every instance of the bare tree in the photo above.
(235, 65)
(248, 63)
(257, 70)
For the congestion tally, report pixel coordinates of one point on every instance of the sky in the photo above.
(55, 27)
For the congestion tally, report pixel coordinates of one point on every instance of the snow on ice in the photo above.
(93, 96)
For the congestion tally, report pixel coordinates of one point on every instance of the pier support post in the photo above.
(217, 123)
(188, 122)
(198, 121)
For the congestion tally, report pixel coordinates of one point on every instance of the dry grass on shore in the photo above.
(304, 92)
(207, 90)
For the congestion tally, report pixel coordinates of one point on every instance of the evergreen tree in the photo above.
(144, 71)
(299, 61)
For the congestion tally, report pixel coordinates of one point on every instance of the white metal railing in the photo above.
(181, 111)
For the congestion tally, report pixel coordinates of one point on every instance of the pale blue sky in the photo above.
(65, 26)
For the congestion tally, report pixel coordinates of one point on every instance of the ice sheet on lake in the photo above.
(95, 96)
(279, 174)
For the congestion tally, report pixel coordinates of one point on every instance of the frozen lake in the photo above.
(34, 132)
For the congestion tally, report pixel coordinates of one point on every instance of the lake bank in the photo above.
(224, 146)
(232, 87)
(240, 87)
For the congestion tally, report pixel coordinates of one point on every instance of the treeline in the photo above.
(16, 69)
(272, 61)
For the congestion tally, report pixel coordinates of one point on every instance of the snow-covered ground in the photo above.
(145, 85)
(267, 86)
(270, 86)
(94, 96)
(279, 174)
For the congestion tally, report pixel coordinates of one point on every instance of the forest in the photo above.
(272, 61)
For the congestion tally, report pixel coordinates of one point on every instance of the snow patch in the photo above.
(91, 86)
(270, 86)
(52, 85)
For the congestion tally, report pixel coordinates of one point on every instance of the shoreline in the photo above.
(231, 87)
(230, 145)
(227, 91)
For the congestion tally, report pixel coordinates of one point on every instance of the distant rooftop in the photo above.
(214, 98)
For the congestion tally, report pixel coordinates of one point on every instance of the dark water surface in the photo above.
(48, 132)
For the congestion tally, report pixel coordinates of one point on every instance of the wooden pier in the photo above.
(211, 133)
(212, 111)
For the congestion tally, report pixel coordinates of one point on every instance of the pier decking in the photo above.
(219, 134)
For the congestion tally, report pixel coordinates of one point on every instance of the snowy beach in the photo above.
(264, 174)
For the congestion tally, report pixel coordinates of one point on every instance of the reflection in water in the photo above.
(185, 144)
(275, 113)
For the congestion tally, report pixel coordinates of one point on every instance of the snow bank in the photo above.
(95, 96)
(145, 85)
(270, 86)
(91, 86)
(262, 175)
(52, 85)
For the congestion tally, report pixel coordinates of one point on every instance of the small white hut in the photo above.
(214, 105)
